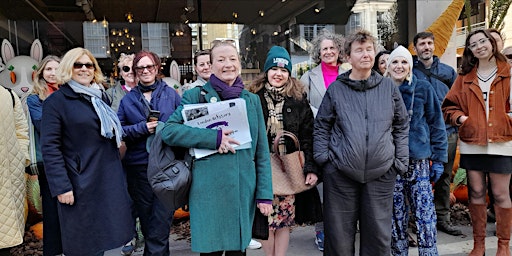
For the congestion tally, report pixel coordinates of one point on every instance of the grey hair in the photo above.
(325, 34)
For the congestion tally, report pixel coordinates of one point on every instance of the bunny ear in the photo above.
(174, 71)
(36, 51)
(7, 50)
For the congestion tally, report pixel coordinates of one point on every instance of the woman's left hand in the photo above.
(265, 209)
(311, 179)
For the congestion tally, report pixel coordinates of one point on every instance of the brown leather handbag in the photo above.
(287, 170)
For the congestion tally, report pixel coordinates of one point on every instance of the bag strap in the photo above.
(275, 145)
(428, 73)
(12, 96)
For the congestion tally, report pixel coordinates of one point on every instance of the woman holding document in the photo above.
(227, 186)
(151, 101)
(286, 108)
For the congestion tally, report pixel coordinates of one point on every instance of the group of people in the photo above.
(375, 136)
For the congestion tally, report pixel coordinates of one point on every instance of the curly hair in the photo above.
(325, 34)
(293, 87)
(40, 86)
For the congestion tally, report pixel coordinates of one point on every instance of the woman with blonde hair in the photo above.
(45, 83)
(122, 87)
(80, 136)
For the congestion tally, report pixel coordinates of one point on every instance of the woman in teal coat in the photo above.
(229, 185)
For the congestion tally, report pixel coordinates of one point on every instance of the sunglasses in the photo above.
(78, 65)
(150, 68)
(201, 52)
(509, 56)
(126, 69)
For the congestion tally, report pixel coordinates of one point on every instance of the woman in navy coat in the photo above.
(151, 94)
(80, 136)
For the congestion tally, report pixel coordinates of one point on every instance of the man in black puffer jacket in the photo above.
(361, 142)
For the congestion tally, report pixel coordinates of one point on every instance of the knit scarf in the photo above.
(275, 102)
(225, 91)
(108, 118)
(148, 88)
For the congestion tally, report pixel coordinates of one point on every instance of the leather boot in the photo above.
(479, 220)
(503, 223)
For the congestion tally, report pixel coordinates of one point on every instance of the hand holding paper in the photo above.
(225, 144)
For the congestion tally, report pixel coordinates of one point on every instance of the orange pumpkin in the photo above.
(461, 193)
(38, 230)
(180, 214)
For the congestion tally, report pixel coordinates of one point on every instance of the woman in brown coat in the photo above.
(478, 103)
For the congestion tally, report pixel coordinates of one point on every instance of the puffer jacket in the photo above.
(362, 128)
(13, 160)
(465, 99)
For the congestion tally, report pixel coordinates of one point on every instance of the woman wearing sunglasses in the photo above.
(80, 137)
(478, 103)
(122, 87)
(150, 102)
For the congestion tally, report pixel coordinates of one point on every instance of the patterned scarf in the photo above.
(275, 102)
(225, 91)
(108, 118)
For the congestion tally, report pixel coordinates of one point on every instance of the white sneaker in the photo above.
(253, 245)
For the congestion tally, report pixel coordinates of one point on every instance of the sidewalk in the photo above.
(302, 244)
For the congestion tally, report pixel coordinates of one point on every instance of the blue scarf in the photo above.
(225, 91)
(108, 118)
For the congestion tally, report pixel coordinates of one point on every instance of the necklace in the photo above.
(485, 78)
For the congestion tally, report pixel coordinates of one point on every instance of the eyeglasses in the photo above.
(78, 65)
(126, 69)
(509, 56)
(473, 46)
(150, 68)
(216, 43)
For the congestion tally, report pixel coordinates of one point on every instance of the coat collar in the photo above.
(212, 96)
(68, 92)
(502, 73)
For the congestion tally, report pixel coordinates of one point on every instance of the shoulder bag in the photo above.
(288, 170)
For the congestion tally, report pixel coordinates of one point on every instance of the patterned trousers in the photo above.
(414, 191)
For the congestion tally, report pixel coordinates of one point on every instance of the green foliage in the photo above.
(460, 177)
(497, 12)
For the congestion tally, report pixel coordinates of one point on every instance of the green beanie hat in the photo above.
(278, 57)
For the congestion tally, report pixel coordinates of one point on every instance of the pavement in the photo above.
(302, 244)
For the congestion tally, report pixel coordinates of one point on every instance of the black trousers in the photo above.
(52, 241)
(346, 202)
(155, 220)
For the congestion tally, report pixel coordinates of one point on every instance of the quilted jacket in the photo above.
(13, 159)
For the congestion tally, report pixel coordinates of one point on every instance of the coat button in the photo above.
(490, 140)
(490, 124)
(289, 110)
(491, 92)
(491, 108)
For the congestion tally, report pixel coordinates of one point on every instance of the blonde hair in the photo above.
(124, 58)
(65, 69)
(40, 85)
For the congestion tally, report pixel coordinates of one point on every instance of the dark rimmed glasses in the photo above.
(509, 56)
(141, 69)
(78, 65)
